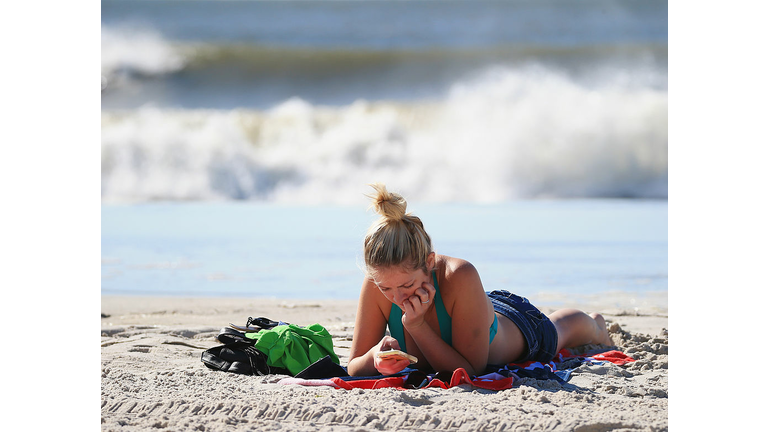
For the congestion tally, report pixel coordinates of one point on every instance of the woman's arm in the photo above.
(468, 305)
(368, 338)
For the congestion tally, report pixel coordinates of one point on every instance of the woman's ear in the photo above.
(430, 262)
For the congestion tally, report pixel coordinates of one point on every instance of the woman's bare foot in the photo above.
(602, 336)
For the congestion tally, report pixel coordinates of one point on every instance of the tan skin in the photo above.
(471, 313)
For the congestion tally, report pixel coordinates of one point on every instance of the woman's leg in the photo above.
(575, 328)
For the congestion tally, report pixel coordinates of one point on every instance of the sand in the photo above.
(152, 378)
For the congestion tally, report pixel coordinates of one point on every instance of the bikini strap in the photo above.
(395, 325)
(443, 319)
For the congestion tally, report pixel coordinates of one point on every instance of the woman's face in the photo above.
(398, 284)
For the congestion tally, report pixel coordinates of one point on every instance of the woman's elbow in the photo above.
(477, 368)
(356, 367)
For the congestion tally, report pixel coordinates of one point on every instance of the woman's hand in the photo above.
(388, 366)
(416, 306)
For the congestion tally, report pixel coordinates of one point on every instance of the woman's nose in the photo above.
(400, 297)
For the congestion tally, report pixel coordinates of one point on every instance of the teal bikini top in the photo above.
(395, 322)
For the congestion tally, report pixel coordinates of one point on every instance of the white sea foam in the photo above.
(131, 51)
(501, 135)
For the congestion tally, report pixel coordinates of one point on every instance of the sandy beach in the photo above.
(152, 378)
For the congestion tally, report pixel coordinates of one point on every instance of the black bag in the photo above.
(323, 368)
(238, 355)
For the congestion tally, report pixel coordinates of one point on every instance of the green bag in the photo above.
(294, 348)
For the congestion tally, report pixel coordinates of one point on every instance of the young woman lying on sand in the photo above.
(437, 310)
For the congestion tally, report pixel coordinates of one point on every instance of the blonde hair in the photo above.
(397, 238)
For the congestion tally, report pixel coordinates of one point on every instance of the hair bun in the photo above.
(389, 205)
(396, 238)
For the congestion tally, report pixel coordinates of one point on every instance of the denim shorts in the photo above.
(539, 332)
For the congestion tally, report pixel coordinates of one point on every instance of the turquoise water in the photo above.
(253, 249)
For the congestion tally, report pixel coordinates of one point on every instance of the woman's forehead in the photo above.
(393, 276)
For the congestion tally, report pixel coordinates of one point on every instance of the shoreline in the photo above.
(641, 316)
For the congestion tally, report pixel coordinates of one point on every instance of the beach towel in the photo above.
(502, 378)
(560, 368)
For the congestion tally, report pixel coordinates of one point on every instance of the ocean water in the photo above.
(246, 249)
(257, 54)
(449, 101)
(237, 139)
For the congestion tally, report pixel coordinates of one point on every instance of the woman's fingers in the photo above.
(423, 295)
(391, 366)
(409, 305)
(389, 343)
(428, 292)
(416, 306)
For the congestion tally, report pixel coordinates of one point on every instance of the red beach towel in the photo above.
(492, 381)
(613, 356)
(460, 376)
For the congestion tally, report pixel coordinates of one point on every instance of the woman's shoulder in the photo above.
(459, 275)
(460, 282)
(456, 268)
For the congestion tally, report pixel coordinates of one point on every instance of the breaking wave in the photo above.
(506, 133)
(129, 53)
